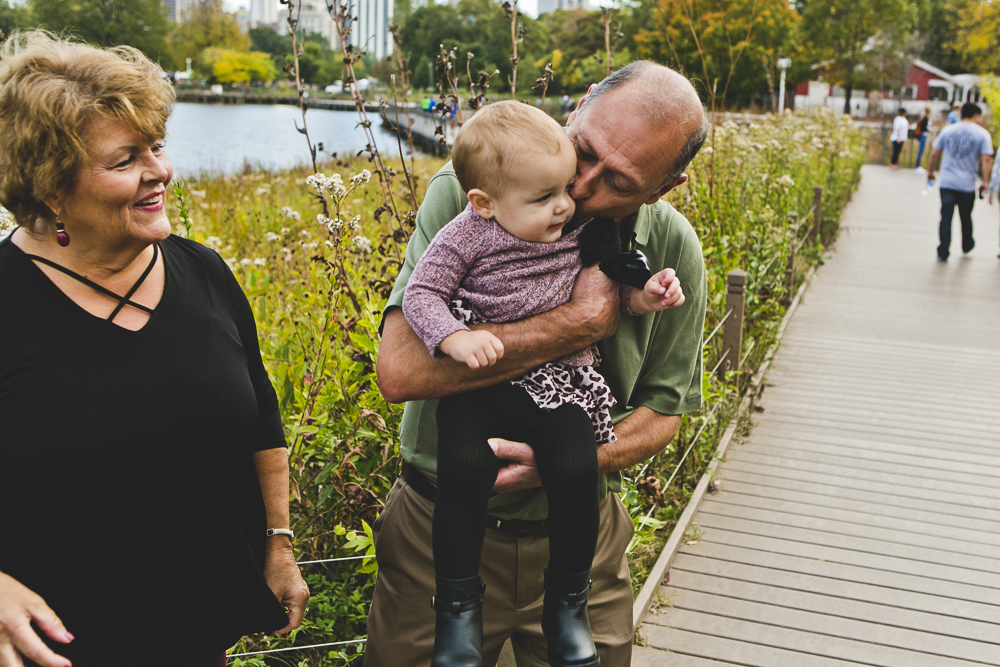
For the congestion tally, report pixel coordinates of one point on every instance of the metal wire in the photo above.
(297, 648)
(332, 560)
(694, 441)
(719, 326)
(721, 359)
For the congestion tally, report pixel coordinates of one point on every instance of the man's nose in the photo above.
(584, 183)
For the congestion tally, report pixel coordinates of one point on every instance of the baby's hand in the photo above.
(478, 349)
(662, 291)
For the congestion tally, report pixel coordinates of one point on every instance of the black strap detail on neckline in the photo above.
(122, 300)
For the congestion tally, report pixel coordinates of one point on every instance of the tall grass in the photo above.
(318, 256)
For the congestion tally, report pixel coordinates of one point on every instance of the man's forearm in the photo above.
(935, 160)
(642, 435)
(407, 373)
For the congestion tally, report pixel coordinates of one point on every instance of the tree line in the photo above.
(730, 48)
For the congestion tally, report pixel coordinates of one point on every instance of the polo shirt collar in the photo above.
(640, 223)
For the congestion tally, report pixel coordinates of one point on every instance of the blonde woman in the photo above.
(145, 485)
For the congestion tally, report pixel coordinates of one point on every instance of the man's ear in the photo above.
(667, 187)
(481, 203)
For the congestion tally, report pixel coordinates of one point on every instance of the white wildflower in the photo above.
(329, 243)
(231, 261)
(272, 237)
(785, 181)
(288, 212)
(317, 182)
(355, 223)
(363, 177)
(213, 242)
(305, 233)
(259, 261)
(203, 205)
(363, 243)
(310, 246)
(263, 190)
(286, 254)
(284, 231)
(245, 261)
(197, 193)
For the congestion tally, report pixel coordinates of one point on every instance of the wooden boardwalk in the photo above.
(859, 524)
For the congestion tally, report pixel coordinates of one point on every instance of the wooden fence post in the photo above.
(817, 214)
(732, 331)
(793, 227)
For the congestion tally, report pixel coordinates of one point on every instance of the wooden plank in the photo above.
(952, 566)
(903, 628)
(829, 625)
(853, 582)
(806, 642)
(846, 503)
(800, 451)
(987, 541)
(826, 487)
(778, 424)
(888, 488)
(651, 657)
(881, 451)
(742, 653)
(862, 475)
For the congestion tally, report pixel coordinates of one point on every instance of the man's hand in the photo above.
(520, 472)
(476, 349)
(18, 608)
(283, 578)
(595, 302)
(662, 291)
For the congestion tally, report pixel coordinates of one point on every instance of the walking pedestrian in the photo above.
(922, 131)
(900, 131)
(955, 114)
(965, 146)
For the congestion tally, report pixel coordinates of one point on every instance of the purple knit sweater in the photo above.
(499, 277)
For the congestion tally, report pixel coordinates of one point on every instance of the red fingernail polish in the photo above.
(69, 635)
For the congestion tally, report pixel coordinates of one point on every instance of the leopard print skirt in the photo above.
(553, 384)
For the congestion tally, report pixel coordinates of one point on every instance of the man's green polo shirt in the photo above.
(652, 360)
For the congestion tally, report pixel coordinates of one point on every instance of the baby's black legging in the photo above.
(565, 452)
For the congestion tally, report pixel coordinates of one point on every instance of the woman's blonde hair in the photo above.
(51, 92)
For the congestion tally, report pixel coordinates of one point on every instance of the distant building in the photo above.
(242, 16)
(177, 9)
(313, 17)
(371, 27)
(925, 86)
(264, 13)
(548, 6)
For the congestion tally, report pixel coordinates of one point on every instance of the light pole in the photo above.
(783, 64)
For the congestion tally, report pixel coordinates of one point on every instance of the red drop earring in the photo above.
(62, 238)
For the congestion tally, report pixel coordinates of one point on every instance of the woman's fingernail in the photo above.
(69, 636)
(493, 445)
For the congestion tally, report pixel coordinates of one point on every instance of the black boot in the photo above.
(458, 632)
(564, 619)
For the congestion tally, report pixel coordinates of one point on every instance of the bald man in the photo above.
(635, 133)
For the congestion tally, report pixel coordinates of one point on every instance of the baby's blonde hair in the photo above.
(489, 145)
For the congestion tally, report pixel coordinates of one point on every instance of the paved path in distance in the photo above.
(859, 524)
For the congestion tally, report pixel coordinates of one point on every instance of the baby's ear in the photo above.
(481, 203)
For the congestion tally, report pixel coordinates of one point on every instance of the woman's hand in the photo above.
(18, 608)
(282, 575)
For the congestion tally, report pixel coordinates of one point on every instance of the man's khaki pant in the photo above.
(401, 621)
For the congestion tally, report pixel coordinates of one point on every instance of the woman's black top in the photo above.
(129, 499)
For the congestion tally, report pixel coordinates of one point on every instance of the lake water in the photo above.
(220, 138)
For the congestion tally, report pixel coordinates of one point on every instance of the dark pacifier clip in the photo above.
(600, 242)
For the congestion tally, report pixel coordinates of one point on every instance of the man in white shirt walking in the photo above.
(965, 146)
(900, 132)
